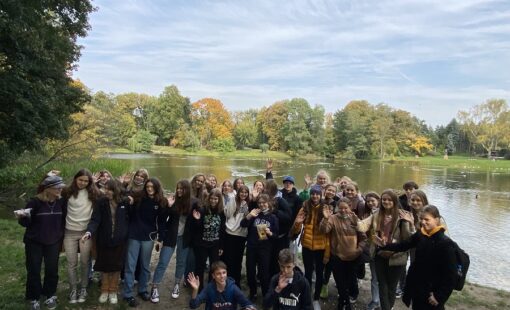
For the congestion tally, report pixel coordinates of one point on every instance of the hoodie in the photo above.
(295, 295)
(226, 300)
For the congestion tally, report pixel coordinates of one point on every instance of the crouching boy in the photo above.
(220, 294)
(288, 289)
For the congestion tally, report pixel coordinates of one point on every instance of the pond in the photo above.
(476, 205)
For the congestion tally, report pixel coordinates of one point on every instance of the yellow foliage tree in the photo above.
(420, 144)
(211, 120)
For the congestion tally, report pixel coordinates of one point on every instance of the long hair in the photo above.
(132, 186)
(159, 196)
(200, 193)
(183, 203)
(114, 186)
(72, 190)
(271, 188)
(219, 207)
(416, 213)
(242, 188)
(393, 211)
(235, 186)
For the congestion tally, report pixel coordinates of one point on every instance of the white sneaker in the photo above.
(51, 302)
(34, 305)
(154, 295)
(103, 298)
(175, 292)
(82, 296)
(316, 305)
(113, 298)
(73, 297)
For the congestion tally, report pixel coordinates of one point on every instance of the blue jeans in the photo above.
(164, 258)
(374, 285)
(135, 248)
(181, 260)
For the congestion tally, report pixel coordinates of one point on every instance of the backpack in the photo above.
(462, 259)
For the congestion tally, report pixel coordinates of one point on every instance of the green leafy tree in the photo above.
(352, 128)
(270, 121)
(186, 138)
(142, 141)
(166, 113)
(38, 51)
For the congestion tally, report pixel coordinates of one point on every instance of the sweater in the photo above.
(45, 225)
(233, 219)
(79, 211)
(346, 242)
(402, 231)
(209, 230)
(296, 295)
(253, 239)
(229, 299)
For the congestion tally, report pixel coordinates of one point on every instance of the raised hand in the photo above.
(327, 212)
(171, 200)
(196, 215)
(308, 180)
(193, 281)
(406, 216)
(282, 282)
(126, 177)
(95, 177)
(269, 164)
(300, 217)
(254, 213)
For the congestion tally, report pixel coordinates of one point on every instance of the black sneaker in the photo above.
(131, 301)
(145, 296)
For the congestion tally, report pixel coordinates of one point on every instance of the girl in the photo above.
(432, 274)
(103, 176)
(209, 228)
(137, 182)
(184, 204)
(357, 203)
(235, 237)
(262, 226)
(198, 189)
(212, 180)
(258, 188)
(417, 201)
(44, 222)
(109, 224)
(168, 236)
(144, 221)
(372, 200)
(346, 248)
(284, 214)
(237, 183)
(80, 197)
(330, 200)
(387, 226)
(315, 243)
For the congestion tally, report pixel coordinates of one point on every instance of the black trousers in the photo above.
(344, 273)
(387, 277)
(35, 254)
(201, 255)
(313, 261)
(278, 245)
(233, 253)
(258, 258)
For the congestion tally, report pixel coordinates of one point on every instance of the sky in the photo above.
(431, 58)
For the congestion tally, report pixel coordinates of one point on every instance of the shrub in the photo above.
(223, 145)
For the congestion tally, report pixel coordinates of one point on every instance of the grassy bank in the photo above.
(459, 162)
(13, 277)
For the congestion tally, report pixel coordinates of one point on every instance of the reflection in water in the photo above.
(476, 206)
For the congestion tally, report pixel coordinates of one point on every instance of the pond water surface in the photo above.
(476, 205)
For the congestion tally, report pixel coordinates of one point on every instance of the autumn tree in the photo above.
(270, 120)
(245, 129)
(211, 121)
(381, 128)
(487, 123)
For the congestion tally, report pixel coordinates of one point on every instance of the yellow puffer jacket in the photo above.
(312, 238)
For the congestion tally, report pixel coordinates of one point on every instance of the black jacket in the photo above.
(292, 198)
(168, 233)
(200, 226)
(296, 295)
(433, 270)
(100, 224)
(46, 222)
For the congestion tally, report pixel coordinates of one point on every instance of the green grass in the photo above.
(13, 274)
(459, 162)
(252, 153)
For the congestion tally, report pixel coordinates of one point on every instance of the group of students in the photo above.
(338, 229)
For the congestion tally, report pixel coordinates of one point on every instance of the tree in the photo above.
(211, 120)
(352, 128)
(165, 114)
(487, 123)
(245, 130)
(270, 120)
(38, 51)
(420, 144)
(142, 141)
(381, 127)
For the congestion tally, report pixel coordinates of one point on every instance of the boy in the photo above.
(220, 294)
(289, 288)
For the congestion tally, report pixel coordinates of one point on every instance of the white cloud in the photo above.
(329, 52)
